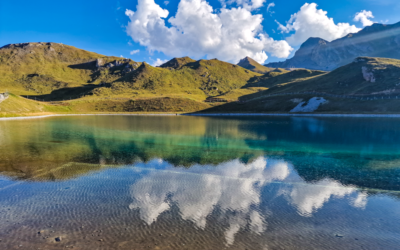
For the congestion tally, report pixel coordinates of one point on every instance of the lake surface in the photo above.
(160, 182)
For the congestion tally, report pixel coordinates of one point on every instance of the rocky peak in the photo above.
(313, 41)
(251, 64)
(176, 63)
(246, 61)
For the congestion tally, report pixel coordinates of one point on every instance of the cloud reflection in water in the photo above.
(234, 187)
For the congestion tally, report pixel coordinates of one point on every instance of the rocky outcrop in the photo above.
(99, 62)
(368, 75)
(128, 64)
(251, 64)
(378, 40)
(176, 63)
(3, 96)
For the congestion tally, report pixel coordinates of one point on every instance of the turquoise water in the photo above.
(144, 182)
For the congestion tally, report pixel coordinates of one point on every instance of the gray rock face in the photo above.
(128, 66)
(368, 75)
(99, 62)
(378, 40)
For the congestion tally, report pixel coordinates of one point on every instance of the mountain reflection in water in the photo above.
(200, 183)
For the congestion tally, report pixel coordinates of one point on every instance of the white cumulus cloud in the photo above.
(134, 52)
(313, 22)
(158, 62)
(246, 4)
(270, 5)
(364, 17)
(197, 30)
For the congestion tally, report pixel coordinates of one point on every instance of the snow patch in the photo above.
(310, 106)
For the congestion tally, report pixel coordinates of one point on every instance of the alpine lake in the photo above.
(209, 183)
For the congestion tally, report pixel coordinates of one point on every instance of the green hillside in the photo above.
(367, 85)
(18, 106)
(39, 68)
(349, 79)
(69, 80)
(194, 79)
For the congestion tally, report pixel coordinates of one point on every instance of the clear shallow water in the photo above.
(129, 182)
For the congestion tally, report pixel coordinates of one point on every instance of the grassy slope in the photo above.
(42, 67)
(346, 80)
(19, 106)
(349, 80)
(152, 105)
(16, 106)
(56, 72)
(180, 85)
(195, 80)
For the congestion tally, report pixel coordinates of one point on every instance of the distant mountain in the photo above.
(250, 64)
(378, 40)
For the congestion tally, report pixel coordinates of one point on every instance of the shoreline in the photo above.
(296, 114)
(205, 114)
(55, 115)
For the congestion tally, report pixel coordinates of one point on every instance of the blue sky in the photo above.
(101, 26)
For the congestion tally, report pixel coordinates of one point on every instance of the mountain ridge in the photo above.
(377, 40)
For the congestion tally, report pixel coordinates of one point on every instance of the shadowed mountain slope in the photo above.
(364, 76)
